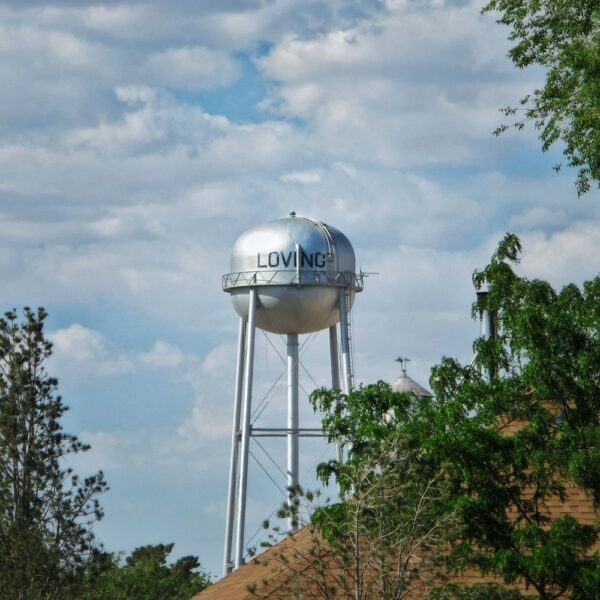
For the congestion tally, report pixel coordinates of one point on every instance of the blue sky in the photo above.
(140, 139)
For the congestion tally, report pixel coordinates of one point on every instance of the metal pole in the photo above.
(333, 352)
(488, 331)
(292, 423)
(346, 369)
(235, 446)
(246, 412)
(335, 374)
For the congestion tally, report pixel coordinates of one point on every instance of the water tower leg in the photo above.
(333, 352)
(346, 368)
(235, 447)
(292, 425)
(335, 372)
(246, 413)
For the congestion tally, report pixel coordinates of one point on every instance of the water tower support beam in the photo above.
(335, 361)
(335, 373)
(292, 437)
(235, 447)
(345, 342)
(246, 414)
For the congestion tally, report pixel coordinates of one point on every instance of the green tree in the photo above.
(503, 452)
(516, 444)
(397, 520)
(145, 575)
(46, 510)
(564, 38)
(388, 538)
(510, 447)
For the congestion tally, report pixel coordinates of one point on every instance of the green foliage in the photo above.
(514, 445)
(564, 38)
(472, 478)
(145, 575)
(46, 510)
(364, 422)
(385, 540)
(390, 534)
(498, 452)
(476, 592)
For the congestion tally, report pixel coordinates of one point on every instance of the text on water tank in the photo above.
(285, 259)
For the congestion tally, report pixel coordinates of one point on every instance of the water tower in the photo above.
(290, 276)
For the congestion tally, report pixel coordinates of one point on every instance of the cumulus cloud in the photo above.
(163, 355)
(379, 92)
(301, 177)
(208, 379)
(191, 68)
(204, 425)
(58, 62)
(154, 120)
(563, 256)
(83, 352)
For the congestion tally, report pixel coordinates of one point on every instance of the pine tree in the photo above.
(46, 510)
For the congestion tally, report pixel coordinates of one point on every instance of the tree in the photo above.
(503, 453)
(515, 445)
(145, 575)
(46, 510)
(564, 38)
(511, 448)
(394, 524)
(388, 537)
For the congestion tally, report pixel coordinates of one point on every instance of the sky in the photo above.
(140, 139)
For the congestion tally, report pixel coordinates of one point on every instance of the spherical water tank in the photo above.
(298, 266)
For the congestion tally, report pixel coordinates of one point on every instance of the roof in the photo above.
(266, 576)
(404, 383)
(264, 572)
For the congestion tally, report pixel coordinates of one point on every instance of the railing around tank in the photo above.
(346, 279)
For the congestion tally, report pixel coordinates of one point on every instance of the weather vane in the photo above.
(403, 362)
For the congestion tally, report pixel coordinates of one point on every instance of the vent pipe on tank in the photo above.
(487, 331)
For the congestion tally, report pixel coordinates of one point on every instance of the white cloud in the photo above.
(219, 360)
(163, 355)
(203, 425)
(106, 453)
(191, 68)
(563, 256)
(154, 119)
(81, 352)
(380, 91)
(107, 19)
(305, 177)
(208, 379)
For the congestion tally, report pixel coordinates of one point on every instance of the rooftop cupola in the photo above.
(404, 383)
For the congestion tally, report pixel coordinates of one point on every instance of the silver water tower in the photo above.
(290, 276)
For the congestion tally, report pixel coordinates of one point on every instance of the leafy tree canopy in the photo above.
(145, 575)
(388, 537)
(516, 444)
(564, 38)
(511, 447)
